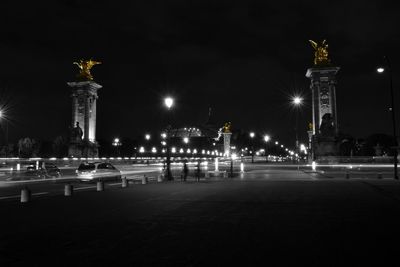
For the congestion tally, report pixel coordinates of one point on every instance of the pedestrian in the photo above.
(185, 171)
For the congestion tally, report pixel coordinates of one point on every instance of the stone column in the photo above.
(323, 88)
(87, 116)
(323, 83)
(74, 110)
(92, 135)
(227, 144)
(84, 95)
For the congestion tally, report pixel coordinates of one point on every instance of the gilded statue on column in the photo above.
(227, 128)
(84, 69)
(321, 53)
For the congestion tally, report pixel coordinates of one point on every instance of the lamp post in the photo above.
(392, 109)
(117, 143)
(6, 132)
(252, 134)
(266, 139)
(297, 101)
(169, 102)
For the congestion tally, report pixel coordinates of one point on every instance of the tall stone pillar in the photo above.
(84, 95)
(227, 144)
(324, 113)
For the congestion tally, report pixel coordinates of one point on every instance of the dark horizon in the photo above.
(243, 59)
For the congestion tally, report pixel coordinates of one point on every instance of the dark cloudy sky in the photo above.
(242, 58)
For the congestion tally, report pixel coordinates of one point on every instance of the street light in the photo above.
(147, 136)
(169, 102)
(297, 101)
(266, 139)
(3, 116)
(252, 134)
(117, 143)
(392, 109)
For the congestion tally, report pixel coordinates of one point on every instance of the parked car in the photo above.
(88, 171)
(47, 170)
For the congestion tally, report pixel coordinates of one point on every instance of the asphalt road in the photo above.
(264, 217)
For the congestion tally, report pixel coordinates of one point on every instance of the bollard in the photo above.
(242, 167)
(25, 195)
(225, 175)
(18, 167)
(100, 186)
(379, 175)
(207, 174)
(347, 175)
(159, 178)
(125, 182)
(68, 190)
(144, 179)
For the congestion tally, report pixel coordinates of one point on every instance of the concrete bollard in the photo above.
(25, 195)
(100, 186)
(18, 166)
(159, 178)
(125, 182)
(207, 174)
(347, 175)
(68, 190)
(144, 179)
(379, 175)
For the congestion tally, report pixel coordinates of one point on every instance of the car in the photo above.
(94, 171)
(47, 170)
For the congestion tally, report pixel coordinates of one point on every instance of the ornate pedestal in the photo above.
(324, 116)
(84, 97)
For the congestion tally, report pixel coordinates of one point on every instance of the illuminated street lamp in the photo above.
(147, 137)
(252, 134)
(392, 110)
(267, 138)
(169, 101)
(186, 140)
(117, 143)
(297, 101)
(2, 116)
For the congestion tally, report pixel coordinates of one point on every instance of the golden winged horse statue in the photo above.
(321, 53)
(84, 69)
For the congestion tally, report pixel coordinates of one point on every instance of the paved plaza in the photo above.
(270, 217)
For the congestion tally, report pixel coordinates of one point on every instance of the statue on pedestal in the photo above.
(85, 66)
(321, 53)
(327, 128)
(76, 134)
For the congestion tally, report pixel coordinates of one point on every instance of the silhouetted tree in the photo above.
(28, 147)
(60, 146)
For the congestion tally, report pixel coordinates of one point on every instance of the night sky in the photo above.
(245, 59)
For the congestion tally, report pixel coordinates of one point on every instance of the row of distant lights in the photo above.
(267, 138)
(181, 151)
